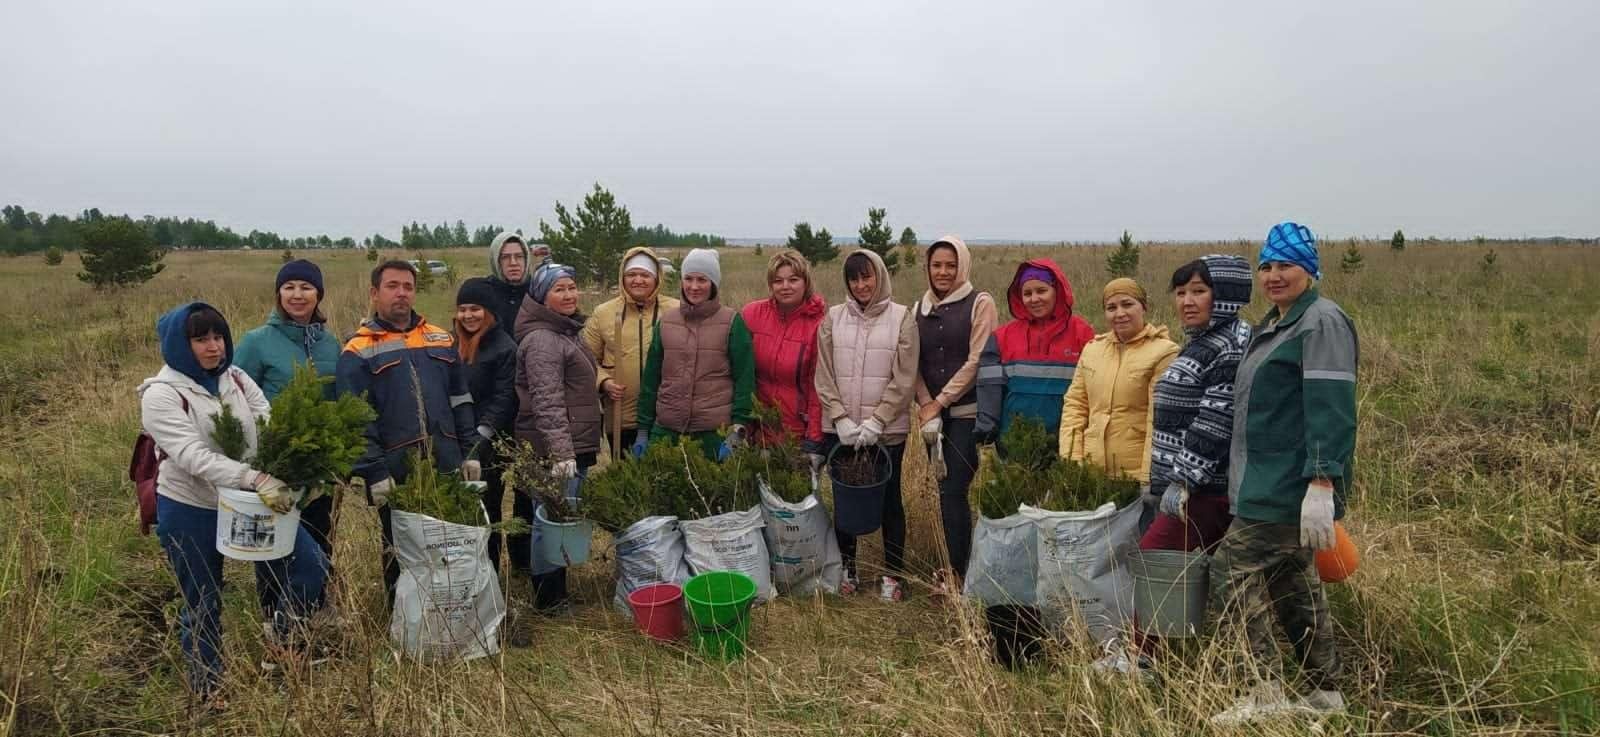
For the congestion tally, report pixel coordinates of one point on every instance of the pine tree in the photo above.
(424, 273)
(875, 235)
(287, 255)
(1125, 260)
(1398, 242)
(1352, 260)
(908, 247)
(52, 257)
(592, 238)
(117, 252)
(817, 247)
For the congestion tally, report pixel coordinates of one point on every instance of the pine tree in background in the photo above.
(286, 256)
(1352, 260)
(592, 238)
(1398, 242)
(118, 253)
(875, 236)
(1125, 260)
(817, 247)
(52, 256)
(424, 273)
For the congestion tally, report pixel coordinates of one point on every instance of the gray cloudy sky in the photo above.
(994, 119)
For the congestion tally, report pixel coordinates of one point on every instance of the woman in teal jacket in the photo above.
(296, 333)
(1294, 433)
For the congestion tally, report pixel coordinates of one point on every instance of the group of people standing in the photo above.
(1242, 435)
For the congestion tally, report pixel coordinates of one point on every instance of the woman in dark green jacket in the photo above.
(296, 333)
(1294, 432)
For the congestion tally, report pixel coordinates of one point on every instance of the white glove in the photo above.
(378, 493)
(870, 431)
(563, 470)
(1174, 500)
(847, 430)
(486, 431)
(735, 439)
(472, 471)
(932, 430)
(1316, 517)
(274, 493)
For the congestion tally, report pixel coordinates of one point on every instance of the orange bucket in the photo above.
(1337, 564)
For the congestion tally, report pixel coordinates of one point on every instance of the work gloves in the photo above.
(817, 459)
(734, 441)
(1174, 500)
(274, 493)
(933, 437)
(848, 431)
(1316, 516)
(870, 431)
(564, 470)
(378, 494)
(472, 471)
(641, 443)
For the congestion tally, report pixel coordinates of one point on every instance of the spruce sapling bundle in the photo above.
(442, 496)
(228, 432)
(311, 440)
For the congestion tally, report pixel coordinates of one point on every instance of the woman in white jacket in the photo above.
(177, 407)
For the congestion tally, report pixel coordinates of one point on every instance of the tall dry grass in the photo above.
(1477, 610)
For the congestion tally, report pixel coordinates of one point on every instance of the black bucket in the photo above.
(1017, 633)
(858, 510)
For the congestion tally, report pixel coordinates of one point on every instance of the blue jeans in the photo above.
(188, 534)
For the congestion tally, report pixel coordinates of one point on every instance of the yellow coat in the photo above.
(1105, 418)
(618, 334)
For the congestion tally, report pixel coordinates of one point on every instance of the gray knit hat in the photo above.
(704, 261)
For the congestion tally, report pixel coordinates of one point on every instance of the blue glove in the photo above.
(639, 446)
(723, 452)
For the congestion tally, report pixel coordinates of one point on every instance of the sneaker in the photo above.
(1264, 700)
(850, 585)
(1323, 702)
(889, 589)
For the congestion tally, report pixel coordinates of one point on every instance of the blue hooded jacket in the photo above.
(175, 350)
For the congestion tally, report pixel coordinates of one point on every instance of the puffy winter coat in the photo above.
(1105, 419)
(1027, 364)
(492, 378)
(786, 364)
(619, 333)
(558, 409)
(391, 365)
(270, 353)
(867, 361)
(194, 465)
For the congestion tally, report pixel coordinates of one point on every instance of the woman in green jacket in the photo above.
(1294, 432)
(296, 333)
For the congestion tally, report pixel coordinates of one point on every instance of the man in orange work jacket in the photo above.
(395, 358)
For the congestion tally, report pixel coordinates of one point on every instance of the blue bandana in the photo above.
(1292, 243)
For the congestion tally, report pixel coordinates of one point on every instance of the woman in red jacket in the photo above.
(1027, 364)
(783, 331)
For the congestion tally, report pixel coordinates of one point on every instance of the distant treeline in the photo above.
(24, 231)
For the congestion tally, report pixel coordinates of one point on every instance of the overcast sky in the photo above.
(1036, 120)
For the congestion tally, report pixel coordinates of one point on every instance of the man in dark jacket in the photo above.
(409, 371)
(508, 276)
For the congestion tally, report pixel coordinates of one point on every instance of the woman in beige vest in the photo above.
(866, 370)
(700, 376)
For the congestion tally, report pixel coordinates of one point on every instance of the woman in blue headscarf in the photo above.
(178, 407)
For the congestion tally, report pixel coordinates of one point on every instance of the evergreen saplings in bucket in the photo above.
(859, 479)
(719, 607)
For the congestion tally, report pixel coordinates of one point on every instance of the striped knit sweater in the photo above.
(1192, 421)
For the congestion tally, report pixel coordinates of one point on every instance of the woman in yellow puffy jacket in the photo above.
(1105, 418)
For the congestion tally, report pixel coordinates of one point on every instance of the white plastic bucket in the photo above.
(248, 530)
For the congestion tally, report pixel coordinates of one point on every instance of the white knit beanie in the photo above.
(704, 261)
(642, 262)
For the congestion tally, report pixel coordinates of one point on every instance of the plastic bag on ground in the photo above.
(730, 542)
(650, 551)
(1084, 566)
(1003, 569)
(805, 552)
(447, 603)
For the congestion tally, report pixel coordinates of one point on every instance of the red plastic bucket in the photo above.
(658, 610)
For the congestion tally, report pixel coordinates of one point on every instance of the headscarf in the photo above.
(1292, 243)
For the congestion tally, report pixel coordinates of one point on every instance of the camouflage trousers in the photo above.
(1261, 569)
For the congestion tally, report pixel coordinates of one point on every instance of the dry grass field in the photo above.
(1476, 508)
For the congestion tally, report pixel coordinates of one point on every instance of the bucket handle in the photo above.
(883, 455)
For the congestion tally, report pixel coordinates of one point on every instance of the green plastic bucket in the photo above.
(719, 608)
(1169, 591)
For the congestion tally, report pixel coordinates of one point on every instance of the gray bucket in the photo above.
(1170, 591)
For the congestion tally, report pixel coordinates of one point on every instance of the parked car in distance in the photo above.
(437, 268)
